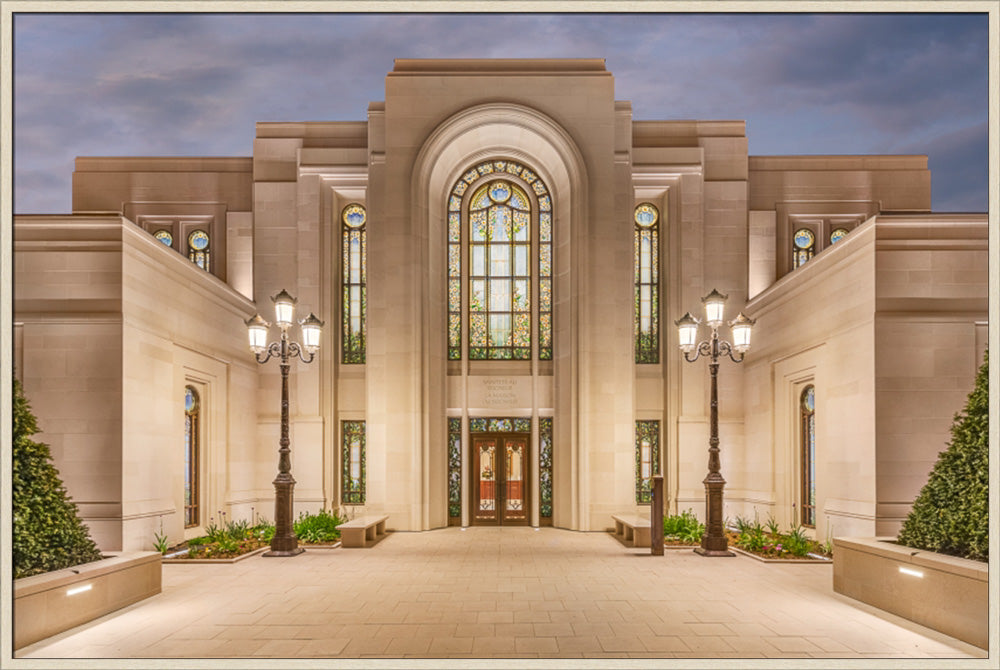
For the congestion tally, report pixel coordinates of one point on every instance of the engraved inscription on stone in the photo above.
(500, 392)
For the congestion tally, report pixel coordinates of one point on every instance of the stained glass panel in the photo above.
(454, 468)
(807, 408)
(837, 235)
(353, 462)
(647, 458)
(647, 284)
(353, 281)
(192, 443)
(804, 247)
(545, 467)
(164, 236)
(198, 249)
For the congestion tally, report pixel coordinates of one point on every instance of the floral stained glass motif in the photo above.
(354, 264)
(499, 248)
(646, 305)
(165, 237)
(454, 468)
(353, 460)
(647, 458)
(837, 235)
(500, 425)
(545, 467)
(808, 417)
(804, 247)
(199, 249)
(192, 419)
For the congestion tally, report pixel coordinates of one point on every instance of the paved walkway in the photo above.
(489, 593)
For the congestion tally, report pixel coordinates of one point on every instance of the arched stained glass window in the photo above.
(837, 235)
(497, 225)
(199, 250)
(192, 419)
(647, 281)
(354, 279)
(807, 410)
(803, 246)
(165, 237)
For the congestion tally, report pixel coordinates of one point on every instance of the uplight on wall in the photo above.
(79, 589)
(911, 572)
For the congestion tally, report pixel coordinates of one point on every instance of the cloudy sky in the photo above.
(183, 84)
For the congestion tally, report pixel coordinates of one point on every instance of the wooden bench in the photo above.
(631, 530)
(363, 531)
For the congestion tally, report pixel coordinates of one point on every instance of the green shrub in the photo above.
(319, 527)
(951, 514)
(47, 531)
(684, 527)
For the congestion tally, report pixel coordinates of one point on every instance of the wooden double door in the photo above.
(500, 479)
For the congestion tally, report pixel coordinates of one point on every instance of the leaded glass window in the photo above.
(647, 458)
(803, 246)
(354, 264)
(199, 249)
(498, 231)
(455, 468)
(647, 282)
(192, 419)
(807, 410)
(353, 458)
(165, 237)
(499, 425)
(545, 467)
(837, 235)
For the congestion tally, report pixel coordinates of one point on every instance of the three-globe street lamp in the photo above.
(713, 542)
(284, 542)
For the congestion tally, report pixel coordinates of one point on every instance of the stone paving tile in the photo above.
(448, 594)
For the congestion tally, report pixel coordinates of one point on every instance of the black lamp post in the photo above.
(713, 542)
(284, 542)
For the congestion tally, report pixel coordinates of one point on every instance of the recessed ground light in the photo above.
(79, 589)
(911, 572)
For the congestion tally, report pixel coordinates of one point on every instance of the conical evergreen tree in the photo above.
(47, 531)
(951, 514)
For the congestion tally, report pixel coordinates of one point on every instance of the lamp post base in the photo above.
(293, 552)
(713, 552)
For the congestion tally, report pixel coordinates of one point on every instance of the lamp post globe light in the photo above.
(713, 542)
(284, 542)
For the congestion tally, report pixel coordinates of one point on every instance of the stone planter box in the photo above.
(50, 603)
(948, 594)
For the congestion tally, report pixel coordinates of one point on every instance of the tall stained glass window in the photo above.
(354, 264)
(199, 249)
(803, 246)
(192, 417)
(353, 459)
(545, 467)
(807, 410)
(500, 239)
(454, 468)
(647, 458)
(647, 283)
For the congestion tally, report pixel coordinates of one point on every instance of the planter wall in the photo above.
(46, 604)
(948, 594)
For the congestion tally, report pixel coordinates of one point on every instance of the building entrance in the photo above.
(500, 479)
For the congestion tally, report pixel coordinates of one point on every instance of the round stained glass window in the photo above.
(809, 399)
(354, 216)
(198, 240)
(190, 399)
(164, 236)
(500, 191)
(646, 215)
(804, 238)
(838, 235)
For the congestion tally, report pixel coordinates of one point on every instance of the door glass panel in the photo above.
(514, 489)
(486, 500)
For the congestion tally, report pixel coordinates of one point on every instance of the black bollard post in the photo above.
(656, 518)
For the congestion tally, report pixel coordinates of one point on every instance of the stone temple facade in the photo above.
(499, 253)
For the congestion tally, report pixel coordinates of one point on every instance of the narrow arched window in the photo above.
(199, 249)
(647, 281)
(355, 302)
(647, 458)
(192, 420)
(353, 480)
(807, 411)
(803, 246)
(495, 229)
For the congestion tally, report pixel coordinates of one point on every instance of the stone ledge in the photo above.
(44, 606)
(948, 594)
